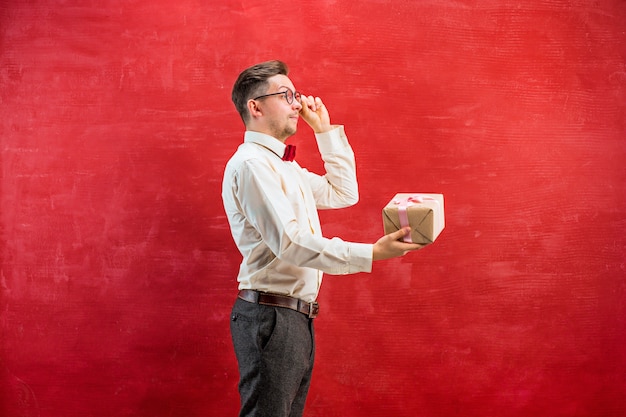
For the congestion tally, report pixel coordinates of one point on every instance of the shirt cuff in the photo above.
(361, 257)
(333, 141)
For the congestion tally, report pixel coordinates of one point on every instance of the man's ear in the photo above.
(254, 109)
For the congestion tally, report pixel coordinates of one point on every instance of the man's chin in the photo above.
(290, 132)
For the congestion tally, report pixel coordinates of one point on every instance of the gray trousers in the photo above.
(275, 349)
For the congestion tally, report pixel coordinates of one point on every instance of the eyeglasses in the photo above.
(289, 96)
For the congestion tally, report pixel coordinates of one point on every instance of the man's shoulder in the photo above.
(245, 152)
(250, 156)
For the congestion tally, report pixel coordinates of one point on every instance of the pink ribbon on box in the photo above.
(403, 205)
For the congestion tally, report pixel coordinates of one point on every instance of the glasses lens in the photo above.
(289, 96)
(297, 97)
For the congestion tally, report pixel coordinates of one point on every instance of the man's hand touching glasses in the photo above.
(314, 112)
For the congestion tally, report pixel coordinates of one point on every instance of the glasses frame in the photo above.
(289, 96)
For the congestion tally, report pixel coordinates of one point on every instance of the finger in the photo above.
(399, 234)
(311, 103)
(409, 247)
(304, 108)
(306, 105)
(414, 246)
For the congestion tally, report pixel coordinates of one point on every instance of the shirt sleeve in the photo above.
(268, 210)
(338, 187)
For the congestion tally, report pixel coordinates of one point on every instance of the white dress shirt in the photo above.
(272, 205)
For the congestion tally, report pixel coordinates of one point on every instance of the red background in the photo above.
(118, 269)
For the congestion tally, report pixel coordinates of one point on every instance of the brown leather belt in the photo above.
(309, 309)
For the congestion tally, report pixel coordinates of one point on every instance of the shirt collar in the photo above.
(266, 141)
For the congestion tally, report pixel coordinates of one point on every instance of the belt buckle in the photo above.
(314, 309)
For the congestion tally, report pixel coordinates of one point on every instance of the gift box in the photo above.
(422, 212)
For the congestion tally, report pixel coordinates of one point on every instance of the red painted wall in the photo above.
(118, 270)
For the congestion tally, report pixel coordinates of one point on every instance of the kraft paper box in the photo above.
(422, 212)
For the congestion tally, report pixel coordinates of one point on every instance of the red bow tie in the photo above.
(290, 153)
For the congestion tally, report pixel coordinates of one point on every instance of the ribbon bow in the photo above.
(290, 153)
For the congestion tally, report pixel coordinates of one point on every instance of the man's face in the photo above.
(280, 116)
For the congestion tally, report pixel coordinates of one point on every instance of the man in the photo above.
(271, 204)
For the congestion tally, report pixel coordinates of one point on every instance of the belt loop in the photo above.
(314, 308)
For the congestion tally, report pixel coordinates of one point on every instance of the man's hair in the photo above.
(252, 82)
